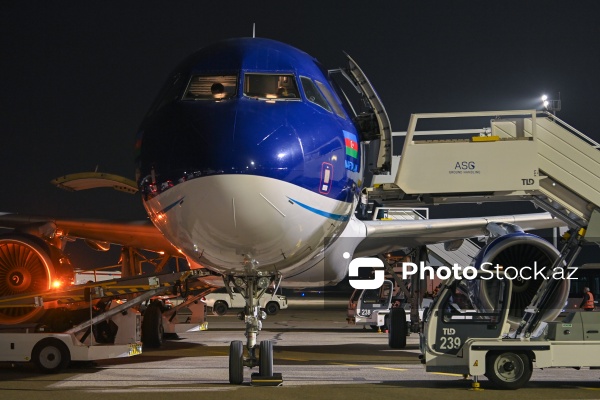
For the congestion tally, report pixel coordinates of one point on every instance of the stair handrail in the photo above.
(582, 135)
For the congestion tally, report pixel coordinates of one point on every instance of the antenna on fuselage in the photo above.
(253, 29)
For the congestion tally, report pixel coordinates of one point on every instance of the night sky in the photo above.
(78, 76)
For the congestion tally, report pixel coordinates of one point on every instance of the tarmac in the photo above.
(319, 355)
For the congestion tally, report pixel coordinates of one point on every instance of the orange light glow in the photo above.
(56, 284)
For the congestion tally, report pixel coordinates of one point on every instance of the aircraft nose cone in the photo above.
(233, 218)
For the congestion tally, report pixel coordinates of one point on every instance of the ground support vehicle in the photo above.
(220, 301)
(370, 307)
(98, 320)
(374, 307)
(502, 328)
(467, 329)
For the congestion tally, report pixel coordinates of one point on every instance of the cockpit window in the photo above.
(211, 87)
(331, 99)
(313, 94)
(271, 86)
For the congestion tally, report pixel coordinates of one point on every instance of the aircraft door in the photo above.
(374, 125)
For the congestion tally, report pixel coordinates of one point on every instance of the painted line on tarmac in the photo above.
(391, 369)
(343, 364)
(447, 374)
(216, 353)
(163, 389)
(587, 388)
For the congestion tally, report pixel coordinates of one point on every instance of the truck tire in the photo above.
(51, 355)
(152, 326)
(397, 328)
(508, 370)
(220, 308)
(272, 308)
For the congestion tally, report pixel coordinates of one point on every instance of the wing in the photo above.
(138, 234)
(384, 236)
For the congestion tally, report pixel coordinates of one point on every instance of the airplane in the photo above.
(250, 163)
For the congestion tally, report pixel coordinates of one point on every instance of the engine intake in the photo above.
(29, 265)
(526, 253)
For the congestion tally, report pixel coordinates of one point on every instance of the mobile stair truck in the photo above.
(501, 318)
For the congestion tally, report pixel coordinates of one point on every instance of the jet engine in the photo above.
(28, 265)
(527, 253)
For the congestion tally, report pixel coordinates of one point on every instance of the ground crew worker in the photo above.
(587, 303)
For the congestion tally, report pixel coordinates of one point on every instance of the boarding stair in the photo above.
(523, 155)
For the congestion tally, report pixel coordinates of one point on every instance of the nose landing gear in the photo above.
(253, 286)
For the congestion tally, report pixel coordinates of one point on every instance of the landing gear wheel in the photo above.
(397, 328)
(266, 358)
(51, 355)
(220, 308)
(152, 326)
(236, 362)
(508, 370)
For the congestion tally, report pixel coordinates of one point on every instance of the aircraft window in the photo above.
(313, 94)
(271, 86)
(331, 99)
(214, 87)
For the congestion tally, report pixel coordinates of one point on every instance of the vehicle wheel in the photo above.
(272, 308)
(152, 326)
(508, 370)
(51, 355)
(236, 362)
(397, 328)
(265, 367)
(220, 308)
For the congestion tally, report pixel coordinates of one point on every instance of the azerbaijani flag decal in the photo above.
(351, 151)
(351, 144)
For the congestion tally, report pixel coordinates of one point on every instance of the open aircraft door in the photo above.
(375, 125)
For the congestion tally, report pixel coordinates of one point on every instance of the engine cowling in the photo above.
(29, 265)
(525, 252)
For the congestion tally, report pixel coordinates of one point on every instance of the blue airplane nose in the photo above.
(218, 139)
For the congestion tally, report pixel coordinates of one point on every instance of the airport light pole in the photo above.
(552, 105)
